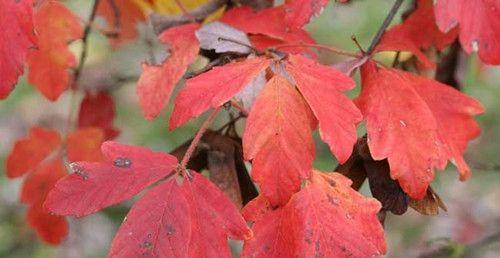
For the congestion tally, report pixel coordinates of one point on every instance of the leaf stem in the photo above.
(197, 138)
(384, 26)
(318, 46)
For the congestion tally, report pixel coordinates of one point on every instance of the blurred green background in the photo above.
(470, 228)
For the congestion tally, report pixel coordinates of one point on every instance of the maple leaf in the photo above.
(299, 12)
(278, 139)
(157, 82)
(93, 186)
(327, 218)
(268, 28)
(214, 88)
(124, 22)
(98, 110)
(29, 152)
(322, 88)
(49, 62)
(16, 38)
(408, 120)
(477, 22)
(40, 157)
(51, 228)
(84, 144)
(418, 31)
(191, 218)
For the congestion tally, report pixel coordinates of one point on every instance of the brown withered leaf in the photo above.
(222, 155)
(429, 205)
(354, 167)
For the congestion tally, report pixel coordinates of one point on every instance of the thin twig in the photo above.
(384, 26)
(184, 10)
(78, 71)
(318, 46)
(197, 138)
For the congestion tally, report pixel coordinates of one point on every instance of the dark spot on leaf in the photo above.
(170, 229)
(122, 162)
(147, 244)
(79, 171)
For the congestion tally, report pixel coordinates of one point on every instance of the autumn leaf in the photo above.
(98, 110)
(223, 38)
(157, 82)
(408, 120)
(214, 88)
(16, 38)
(267, 28)
(322, 88)
(125, 171)
(50, 228)
(28, 153)
(122, 19)
(418, 32)
(327, 218)
(48, 64)
(477, 22)
(278, 140)
(84, 144)
(299, 12)
(187, 217)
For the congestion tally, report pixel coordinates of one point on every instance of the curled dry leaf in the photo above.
(223, 38)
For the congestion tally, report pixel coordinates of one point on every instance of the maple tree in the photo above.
(263, 65)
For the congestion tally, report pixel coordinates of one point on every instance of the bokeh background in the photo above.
(470, 228)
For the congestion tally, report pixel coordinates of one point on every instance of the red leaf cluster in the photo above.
(40, 157)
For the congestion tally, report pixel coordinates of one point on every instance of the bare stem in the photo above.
(197, 137)
(384, 26)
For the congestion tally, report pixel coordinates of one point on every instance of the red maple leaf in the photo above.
(187, 218)
(267, 28)
(278, 139)
(408, 122)
(40, 157)
(418, 32)
(93, 186)
(16, 38)
(214, 88)
(478, 23)
(98, 110)
(327, 218)
(182, 216)
(48, 64)
(157, 82)
(322, 87)
(299, 12)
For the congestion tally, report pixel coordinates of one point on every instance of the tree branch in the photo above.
(161, 22)
(384, 26)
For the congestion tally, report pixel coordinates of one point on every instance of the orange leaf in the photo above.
(408, 122)
(16, 37)
(278, 139)
(50, 228)
(157, 82)
(322, 88)
(85, 144)
(124, 23)
(29, 152)
(49, 63)
(214, 88)
(325, 219)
